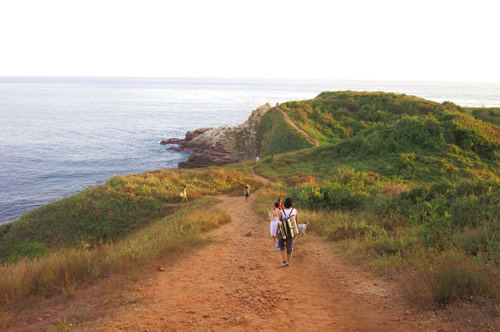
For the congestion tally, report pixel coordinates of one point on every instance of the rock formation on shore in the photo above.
(222, 145)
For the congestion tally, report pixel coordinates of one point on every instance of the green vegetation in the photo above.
(411, 183)
(110, 211)
(275, 135)
(117, 227)
(491, 114)
(62, 271)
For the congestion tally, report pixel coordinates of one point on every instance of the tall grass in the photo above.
(450, 275)
(445, 234)
(63, 271)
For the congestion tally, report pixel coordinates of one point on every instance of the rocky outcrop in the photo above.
(222, 145)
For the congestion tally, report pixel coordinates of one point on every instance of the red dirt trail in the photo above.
(236, 284)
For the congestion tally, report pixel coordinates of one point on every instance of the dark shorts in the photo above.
(288, 242)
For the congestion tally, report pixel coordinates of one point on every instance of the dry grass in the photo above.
(394, 189)
(4, 319)
(64, 271)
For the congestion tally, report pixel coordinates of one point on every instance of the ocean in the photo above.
(59, 135)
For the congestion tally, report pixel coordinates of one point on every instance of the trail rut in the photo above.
(311, 139)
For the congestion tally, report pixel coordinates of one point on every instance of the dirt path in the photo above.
(305, 134)
(236, 284)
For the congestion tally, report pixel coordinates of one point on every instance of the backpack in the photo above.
(288, 225)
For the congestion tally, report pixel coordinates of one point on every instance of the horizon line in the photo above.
(251, 78)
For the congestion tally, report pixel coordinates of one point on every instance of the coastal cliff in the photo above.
(222, 145)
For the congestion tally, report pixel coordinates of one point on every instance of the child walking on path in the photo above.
(275, 219)
(246, 191)
(184, 194)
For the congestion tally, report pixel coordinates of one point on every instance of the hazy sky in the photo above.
(351, 39)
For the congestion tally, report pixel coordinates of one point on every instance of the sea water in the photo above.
(61, 135)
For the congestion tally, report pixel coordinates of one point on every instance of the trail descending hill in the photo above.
(305, 134)
(236, 284)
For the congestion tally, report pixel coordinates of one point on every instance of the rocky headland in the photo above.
(222, 145)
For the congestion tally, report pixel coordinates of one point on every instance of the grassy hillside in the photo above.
(411, 183)
(275, 135)
(110, 211)
(64, 271)
(491, 114)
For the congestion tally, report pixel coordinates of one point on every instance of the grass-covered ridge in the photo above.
(411, 183)
(110, 211)
(334, 116)
(275, 135)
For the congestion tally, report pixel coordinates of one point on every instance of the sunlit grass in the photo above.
(63, 271)
(109, 212)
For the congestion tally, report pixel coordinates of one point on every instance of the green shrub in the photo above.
(30, 250)
(475, 241)
(336, 196)
(435, 227)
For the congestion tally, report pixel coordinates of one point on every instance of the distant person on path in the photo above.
(257, 159)
(287, 213)
(184, 195)
(246, 191)
(275, 219)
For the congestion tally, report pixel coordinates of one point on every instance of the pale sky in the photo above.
(348, 39)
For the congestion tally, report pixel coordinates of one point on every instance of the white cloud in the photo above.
(428, 40)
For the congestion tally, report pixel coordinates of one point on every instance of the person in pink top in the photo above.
(275, 219)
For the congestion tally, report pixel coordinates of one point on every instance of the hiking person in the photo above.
(280, 200)
(282, 207)
(183, 194)
(246, 191)
(275, 219)
(289, 216)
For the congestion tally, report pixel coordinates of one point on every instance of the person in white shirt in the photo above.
(288, 211)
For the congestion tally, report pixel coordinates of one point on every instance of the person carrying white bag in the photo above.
(287, 231)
